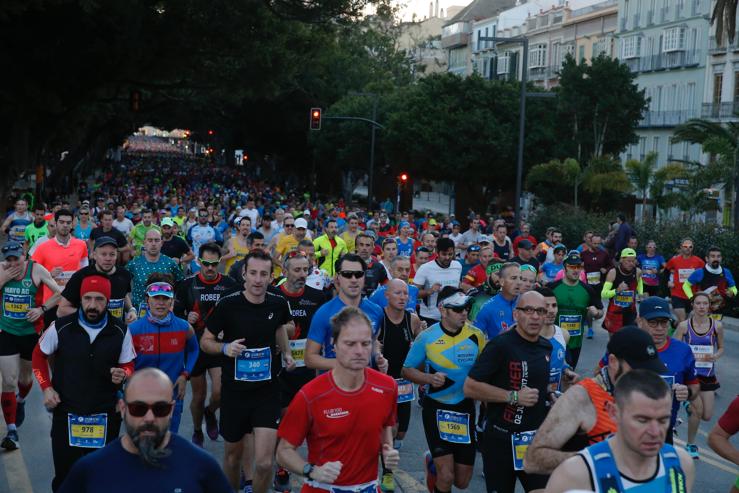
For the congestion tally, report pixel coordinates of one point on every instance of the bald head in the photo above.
(152, 233)
(396, 292)
(530, 298)
(149, 383)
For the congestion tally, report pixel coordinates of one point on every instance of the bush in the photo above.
(571, 221)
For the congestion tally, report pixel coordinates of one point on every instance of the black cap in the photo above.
(105, 240)
(573, 258)
(525, 244)
(636, 347)
(12, 249)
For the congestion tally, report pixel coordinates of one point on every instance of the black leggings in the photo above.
(404, 416)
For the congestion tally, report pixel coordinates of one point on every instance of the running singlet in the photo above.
(622, 307)
(303, 306)
(715, 284)
(17, 227)
(650, 263)
(18, 298)
(396, 340)
(441, 351)
(680, 363)
(702, 345)
(196, 294)
(604, 425)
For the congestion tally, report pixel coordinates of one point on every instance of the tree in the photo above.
(555, 180)
(599, 107)
(641, 174)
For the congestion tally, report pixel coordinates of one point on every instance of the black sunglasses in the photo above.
(138, 409)
(348, 274)
(460, 309)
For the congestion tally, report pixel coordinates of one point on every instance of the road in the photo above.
(30, 469)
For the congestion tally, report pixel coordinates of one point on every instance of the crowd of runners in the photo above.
(302, 321)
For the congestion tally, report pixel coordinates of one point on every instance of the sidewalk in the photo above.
(730, 323)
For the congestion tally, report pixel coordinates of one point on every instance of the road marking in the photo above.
(408, 483)
(716, 461)
(15, 469)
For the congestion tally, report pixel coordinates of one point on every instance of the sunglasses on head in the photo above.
(159, 287)
(296, 253)
(210, 263)
(348, 274)
(138, 409)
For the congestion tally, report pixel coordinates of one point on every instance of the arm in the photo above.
(209, 344)
(283, 341)
(313, 358)
(191, 351)
(485, 392)
(688, 466)
(566, 417)
(680, 331)
(718, 440)
(719, 341)
(65, 308)
(573, 474)
(417, 376)
(639, 282)
(187, 257)
(416, 326)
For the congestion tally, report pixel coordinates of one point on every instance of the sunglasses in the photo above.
(159, 287)
(296, 253)
(459, 309)
(138, 409)
(210, 263)
(288, 225)
(348, 274)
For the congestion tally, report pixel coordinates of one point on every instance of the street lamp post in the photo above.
(370, 179)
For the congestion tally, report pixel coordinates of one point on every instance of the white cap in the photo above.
(301, 223)
(306, 212)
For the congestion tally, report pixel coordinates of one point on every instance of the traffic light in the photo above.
(315, 118)
(211, 132)
(403, 178)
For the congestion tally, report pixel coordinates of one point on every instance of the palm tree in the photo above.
(724, 12)
(641, 175)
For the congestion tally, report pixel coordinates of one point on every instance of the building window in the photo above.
(631, 47)
(655, 144)
(736, 86)
(457, 58)
(673, 39)
(581, 54)
(503, 63)
(538, 56)
(599, 47)
(718, 82)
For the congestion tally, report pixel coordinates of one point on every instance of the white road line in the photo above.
(15, 468)
(713, 459)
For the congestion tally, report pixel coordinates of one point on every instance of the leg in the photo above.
(462, 475)
(265, 441)
(232, 454)
(694, 420)
(709, 399)
(25, 378)
(497, 463)
(215, 389)
(63, 454)
(199, 387)
(174, 424)
(404, 418)
(9, 369)
(444, 472)
(247, 461)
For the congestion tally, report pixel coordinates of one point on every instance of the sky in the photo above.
(421, 7)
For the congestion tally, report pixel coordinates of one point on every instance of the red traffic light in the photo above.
(211, 132)
(403, 177)
(315, 118)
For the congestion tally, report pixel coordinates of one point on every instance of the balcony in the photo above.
(544, 73)
(455, 40)
(623, 24)
(665, 61)
(714, 48)
(662, 119)
(721, 111)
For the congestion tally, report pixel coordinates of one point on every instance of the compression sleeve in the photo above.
(608, 292)
(191, 352)
(40, 365)
(688, 289)
(640, 286)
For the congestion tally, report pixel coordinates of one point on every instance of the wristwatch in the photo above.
(307, 469)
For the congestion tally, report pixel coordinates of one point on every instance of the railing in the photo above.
(593, 8)
(665, 61)
(666, 118)
(720, 110)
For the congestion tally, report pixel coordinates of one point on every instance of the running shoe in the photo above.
(211, 424)
(11, 441)
(688, 410)
(20, 412)
(388, 483)
(430, 471)
(281, 483)
(198, 438)
(692, 449)
(590, 333)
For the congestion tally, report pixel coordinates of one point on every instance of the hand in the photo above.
(436, 288)
(131, 316)
(670, 284)
(570, 376)
(424, 325)
(180, 386)
(681, 392)
(622, 287)
(594, 312)
(603, 270)
(234, 348)
(287, 358)
(34, 314)
(382, 363)
(7, 274)
(117, 375)
(56, 271)
(324, 252)
(438, 379)
(51, 398)
(326, 473)
(528, 397)
(193, 317)
(729, 294)
(390, 456)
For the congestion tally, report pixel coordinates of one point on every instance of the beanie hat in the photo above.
(98, 284)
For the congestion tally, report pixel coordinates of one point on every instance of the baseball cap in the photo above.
(473, 248)
(560, 247)
(301, 223)
(306, 212)
(636, 347)
(654, 307)
(167, 221)
(573, 258)
(453, 298)
(105, 240)
(628, 252)
(12, 249)
(432, 222)
(525, 244)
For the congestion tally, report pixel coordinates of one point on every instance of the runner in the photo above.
(138, 233)
(549, 269)
(528, 278)
(37, 228)
(496, 316)
(389, 252)
(77, 395)
(652, 266)
(195, 299)
(200, 234)
(152, 260)
(404, 241)
(511, 376)
(481, 295)
(401, 269)
(15, 224)
(471, 259)
(622, 286)
(713, 279)
(705, 336)
(329, 247)
(681, 267)
(718, 438)
(173, 246)
(106, 229)
(526, 255)
(477, 275)
(349, 405)
(253, 322)
(317, 278)
(580, 416)
(561, 376)
(238, 246)
(375, 274)
(502, 246)
(21, 321)
(636, 458)
(446, 351)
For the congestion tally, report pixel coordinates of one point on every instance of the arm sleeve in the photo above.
(608, 291)
(128, 368)
(729, 421)
(688, 289)
(640, 286)
(730, 279)
(40, 365)
(128, 353)
(214, 322)
(318, 328)
(191, 352)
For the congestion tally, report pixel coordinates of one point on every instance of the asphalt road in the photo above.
(30, 469)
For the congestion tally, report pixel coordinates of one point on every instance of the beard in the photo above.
(148, 446)
(92, 315)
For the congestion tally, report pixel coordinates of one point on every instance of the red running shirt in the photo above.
(729, 422)
(681, 269)
(342, 426)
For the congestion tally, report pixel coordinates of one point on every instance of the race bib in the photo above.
(670, 379)
(684, 274)
(701, 354)
(254, 365)
(16, 306)
(593, 277)
(297, 350)
(115, 307)
(453, 427)
(519, 444)
(624, 299)
(572, 324)
(555, 379)
(143, 308)
(87, 431)
(405, 390)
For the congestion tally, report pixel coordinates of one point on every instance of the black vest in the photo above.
(82, 370)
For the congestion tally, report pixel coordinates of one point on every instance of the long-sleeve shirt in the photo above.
(171, 347)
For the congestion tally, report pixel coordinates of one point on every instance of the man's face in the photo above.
(167, 232)
(559, 256)
(531, 323)
(595, 242)
(93, 306)
(297, 273)
(289, 226)
(643, 422)
(51, 227)
(350, 286)
(257, 276)
(714, 259)
(107, 221)
(455, 229)
(202, 218)
(397, 295)
(445, 257)
(38, 216)
(105, 257)
(573, 272)
(21, 206)
(525, 229)
(209, 265)
(148, 431)
(159, 306)
(633, 243)
(153, 243)
(279, 215)
(13, 262)
(454, 318)
(146, 219)
(528, 279)
(353, 225)
(429, 241)
(556, 238)
(627, 264)
(299, 233)
(510, 281)
(525, 253)
(354, 345)
(331, 229)
(120, 212)
(651, 248)
(551, 304)
(686, 248)
(500, 233)
(257, 244)
(473, 256)
(63, 226)
(475, 224)
(657, 328)
(364, 247)
(588, 239)
(422, 257)
(389, 251)
(402, 270)
(245, 227)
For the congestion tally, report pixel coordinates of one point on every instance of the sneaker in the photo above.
(281, 482)
(388, 483)
(590, 333)
(692, 449)
(211, 424)
(430, 472)
(198, 438)
(11, 441)
(20, 413)
(688, 410)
